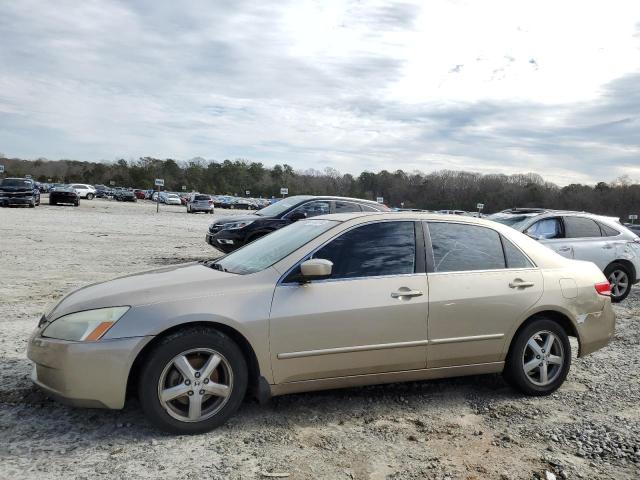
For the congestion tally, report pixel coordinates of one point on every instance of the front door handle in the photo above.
(406, 292)
(607, 246)
(519, 283)
(564, 249)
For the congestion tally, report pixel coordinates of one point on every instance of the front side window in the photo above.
(459, 247)
(375, 249)
(581, 227)
(545, 229)
(313, 209)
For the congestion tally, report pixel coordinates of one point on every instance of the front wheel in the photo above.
(539, 358)
(90, 196)
(620, 279)
(192, 381)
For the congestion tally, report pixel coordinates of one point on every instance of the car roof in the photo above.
(393, 215)
(331, 197)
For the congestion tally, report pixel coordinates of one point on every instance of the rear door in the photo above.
(587, 241)
(480, 285)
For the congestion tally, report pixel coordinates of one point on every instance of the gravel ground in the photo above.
(467, 428)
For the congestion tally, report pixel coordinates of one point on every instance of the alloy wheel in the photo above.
(195, 385)
(543, 358)
(619, 281)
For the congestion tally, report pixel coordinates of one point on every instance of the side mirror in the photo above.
(315, 269)
(295, 216)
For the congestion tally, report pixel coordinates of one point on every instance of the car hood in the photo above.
(16, 189)
(235, 218)
(154, 286)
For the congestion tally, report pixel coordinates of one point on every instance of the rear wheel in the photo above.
(619, 277)
(52, 202)
(539, 358)
(192, 381)
(32, 204)
(77, 203)
(90, 196)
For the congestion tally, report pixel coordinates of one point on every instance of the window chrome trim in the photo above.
(358, 348)
(493, 270)
(307, 256)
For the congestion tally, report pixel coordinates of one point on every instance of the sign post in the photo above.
(1, 168)
(380, 199)
(480, 207)
(184, 187)
(632, 218)
(247, 192)
(158, 183)
(112, 182)
(284, 191)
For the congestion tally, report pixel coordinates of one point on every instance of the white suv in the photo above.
(84, 191)
(583, 236)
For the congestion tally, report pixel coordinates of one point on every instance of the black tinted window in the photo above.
(385, 248)
(580, 227)
(514, 257)
(458, 247)
(313, 209)
(608, 231)
(201, 197)
(347, 207)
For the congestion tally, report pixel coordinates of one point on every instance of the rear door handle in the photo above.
(406, 293)
(519, 283)
(564, 249)
(607, 246)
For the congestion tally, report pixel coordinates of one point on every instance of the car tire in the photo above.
(90, 196)
(161, 372)
(532, 369)
(32, 204)
(52, 202)
(619, 277)
(77, 203)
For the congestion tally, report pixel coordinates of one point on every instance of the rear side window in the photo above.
(313, 209)
(458, 247)
(581, 227)
(608, 231)
(514, 257)
(347, 207)
(367, 208)
(384, 248)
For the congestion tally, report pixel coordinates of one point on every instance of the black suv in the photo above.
(231, 232)
(19, 191)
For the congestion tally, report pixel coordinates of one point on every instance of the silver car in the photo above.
(583, 236)
(199, 202)
(334, 301)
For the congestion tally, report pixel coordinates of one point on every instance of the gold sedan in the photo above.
(334, 301)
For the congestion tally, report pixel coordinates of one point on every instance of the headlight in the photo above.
(237, 225)
(87, 326)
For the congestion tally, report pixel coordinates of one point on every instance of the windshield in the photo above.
(16, 182)
(281, 206)
(272, 248)
(515, 221)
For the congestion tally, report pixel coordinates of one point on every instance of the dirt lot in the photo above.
(468, 428)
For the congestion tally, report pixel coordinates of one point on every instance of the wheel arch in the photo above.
(560, 318)
(240, 340)
(627, 264)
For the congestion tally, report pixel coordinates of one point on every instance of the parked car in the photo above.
(583, 236)
(140, 194)
(230, 232)
(124, 195)
(64, 194)
(199, 202)
(329, 302)
(244, 204)
(102, 191)
(84, 191)
(171, 199)
(19, 191)
(635, 228)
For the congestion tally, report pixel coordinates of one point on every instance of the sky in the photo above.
(551, 87)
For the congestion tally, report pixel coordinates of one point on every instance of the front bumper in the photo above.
(84, 374)
(6, 201)
(225, 240)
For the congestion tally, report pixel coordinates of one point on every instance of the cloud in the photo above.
(344, 84)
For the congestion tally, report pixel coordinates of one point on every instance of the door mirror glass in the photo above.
(297, 215)
(315, 269)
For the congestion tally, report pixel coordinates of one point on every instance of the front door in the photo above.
(370, 316)
(481, 285)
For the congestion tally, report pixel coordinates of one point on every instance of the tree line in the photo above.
(445, 189)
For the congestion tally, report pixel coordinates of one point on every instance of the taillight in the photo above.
(603, 288)
(210, 202)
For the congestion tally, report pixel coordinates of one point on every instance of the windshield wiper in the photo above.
(215, 265)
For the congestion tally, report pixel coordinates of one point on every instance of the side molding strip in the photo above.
(476, 338)
(359, 348)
